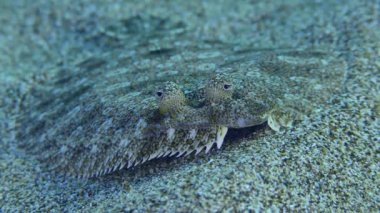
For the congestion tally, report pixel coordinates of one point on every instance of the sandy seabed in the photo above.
(327, 162)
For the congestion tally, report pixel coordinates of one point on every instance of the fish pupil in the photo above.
(227, 86)
(159, 93)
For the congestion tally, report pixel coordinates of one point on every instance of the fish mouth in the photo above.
(238, 133)
(243, 128)
(241, 123)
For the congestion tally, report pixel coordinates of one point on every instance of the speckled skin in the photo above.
(103, 114)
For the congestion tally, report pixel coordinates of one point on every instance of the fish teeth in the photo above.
(189, 152)
(222, 131)
(167, 153)
(153, 156)
(123, 165)
(130, 163)
(137, 163)
(208, 146)
(103, 172)
(199, 150)
(118, 166)
(160, 155)
(108, 170)
(181, 153)
(145, 159)
(173, 153)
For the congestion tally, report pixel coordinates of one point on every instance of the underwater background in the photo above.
(329, 162)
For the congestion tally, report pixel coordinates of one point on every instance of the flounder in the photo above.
(131, 105)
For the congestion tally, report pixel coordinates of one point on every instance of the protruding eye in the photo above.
(227, 86)
(159, 93)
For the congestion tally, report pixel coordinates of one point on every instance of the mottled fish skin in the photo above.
(102, 114)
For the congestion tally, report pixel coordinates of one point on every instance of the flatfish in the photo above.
(130, 105)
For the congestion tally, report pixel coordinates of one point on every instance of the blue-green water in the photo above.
(327, 162)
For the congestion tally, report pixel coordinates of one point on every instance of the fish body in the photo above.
(128, 106)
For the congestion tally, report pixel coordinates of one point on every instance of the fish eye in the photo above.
(227, 86)
(159, 93)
